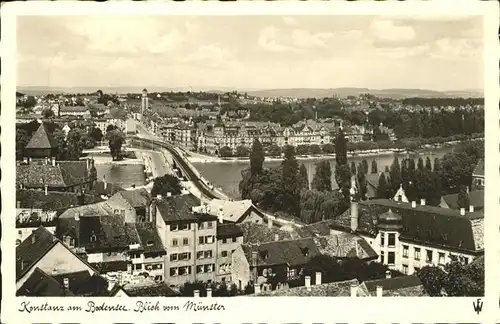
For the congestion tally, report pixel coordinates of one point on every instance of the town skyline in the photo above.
(281, 52)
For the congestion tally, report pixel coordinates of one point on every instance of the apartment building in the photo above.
(409, 236)
(229, 238)
(188, 233)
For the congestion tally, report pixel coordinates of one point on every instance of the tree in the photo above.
(386, 169)
(353, 168)
(242, 151)
(322, 180)
(341, 149)
(328, 148)
(420, 164)
(395, 173)
(225, 151)
(362, 185)
(463, 197)
(115, 141)
(60, 138)
(432, 279)
(96, 134)
(74, 144)
(374, 166)
(364, 163)
(30, 102)
(303, 177)
(47, 113)
(428, 164)
(383, 189)
(437, 166)
(290, 186)
(256, 157)
(166, 184)
(22, 139)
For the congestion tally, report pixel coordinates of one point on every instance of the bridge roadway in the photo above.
(181, 163)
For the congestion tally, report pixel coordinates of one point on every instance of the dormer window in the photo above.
(93, 238)
(305, 251)
(264, 254)
(149, 243)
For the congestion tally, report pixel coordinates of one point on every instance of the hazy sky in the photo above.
(251, 51)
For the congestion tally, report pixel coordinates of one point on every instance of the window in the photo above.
(209, 239)
(173, 257)
(138, 266)
(224, 241)
(210, 224)
(441, 258)
(200, 255)
(209, 267)
(183, 271)
(184, 256)
(200, 269)
(382, 259)
(185, 227)
(175, 242)
(185, 241)
(417, 253)
(208, 254)
(292, 273)
(158, 278)
(174, 227)
(405, 269)
(201, 240)
(174, 272)
(201, 225)
(235, 239)
(382, 239)
(392, 240)
(224, 254)
(416, 269)
(428, 256)
(391, 257)
(405, 251)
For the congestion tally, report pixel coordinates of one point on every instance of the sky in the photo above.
(251, 52)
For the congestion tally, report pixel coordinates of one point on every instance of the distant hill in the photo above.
(292, 92)
(344, 92)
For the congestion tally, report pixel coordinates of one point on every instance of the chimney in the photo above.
(46, 190)
(46, 160)
(105, 182)
(77, 216)
(220, 215)
(25, 160)
(332, 232)
(422, 202)
(379, 291)
(414, 204)
(354, 216)
(388, 274)
(308, 282)
(158, 197)
(18, 204)
(29, 161)
(33, 238)
(256, 289)
(354, 290)
(88, 163)
(209, 292)
(462, 211)
(66, 283)
(196, 293)
(467, 189)
(471, 208)
(318, 277)
(169, 194)
(276, 237)
(53, 161)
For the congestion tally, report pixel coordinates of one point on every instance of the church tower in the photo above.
(145, 101)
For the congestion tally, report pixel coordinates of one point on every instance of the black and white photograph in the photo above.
(206, 155)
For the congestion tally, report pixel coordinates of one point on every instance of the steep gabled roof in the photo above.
(136, 198)
(40, 284)
(397, 286)
(42, 139)
(32, 249)
(332, 289)
(476, 199)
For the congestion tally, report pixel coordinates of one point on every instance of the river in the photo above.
(227, 175)
(124, 175)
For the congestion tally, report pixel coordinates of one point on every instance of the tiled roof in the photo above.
(424, 224)
(110, 266)
(254, 233)
(73, 109)
(64, 174)
(233, 210)
(345, 245)
(476, 199)
(228, 230)
(82, 283)
(159, 290)
(54, 200)
(396, 286)
(40, 284)
(479, 170)
(332, 289)
(42, 139)
(32, 249)
(136, 198)
(178, 208)
(97, 209)
(149, 238)
(290, 252)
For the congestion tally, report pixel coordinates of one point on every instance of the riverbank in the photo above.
(104, 159)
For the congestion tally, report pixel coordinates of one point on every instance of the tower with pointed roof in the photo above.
(145, 101)
(389, 229)
(42, 144)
